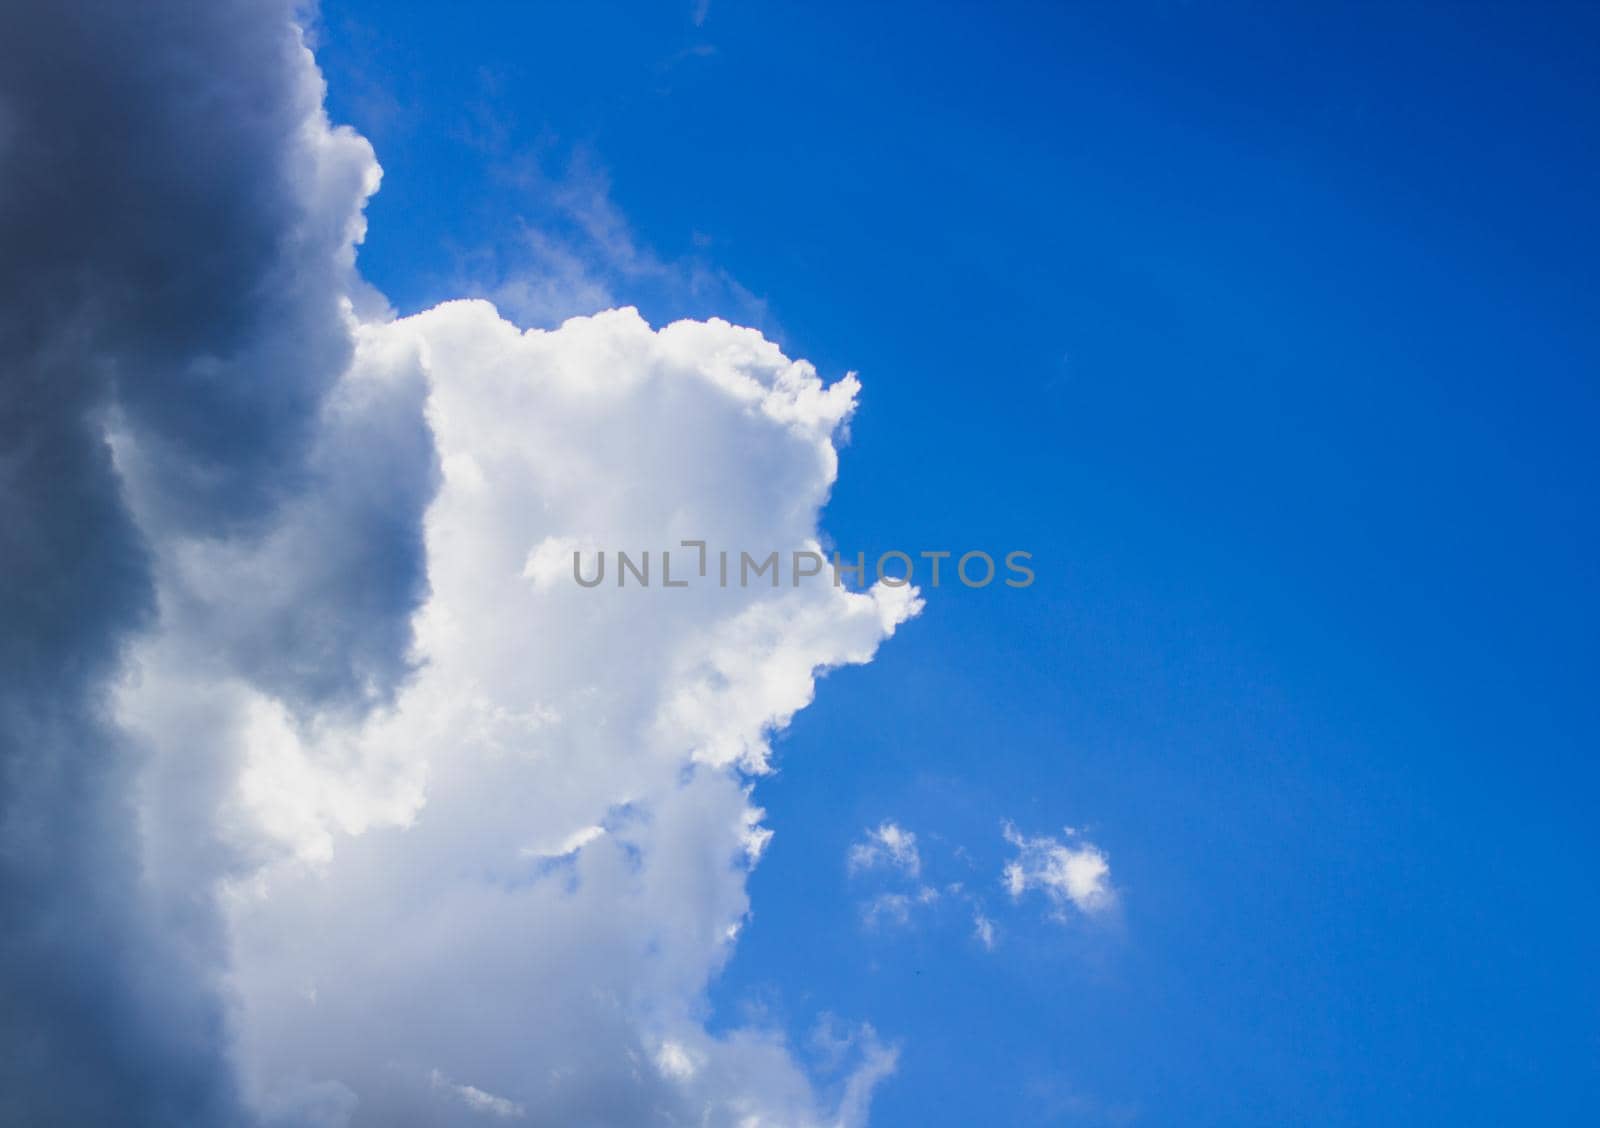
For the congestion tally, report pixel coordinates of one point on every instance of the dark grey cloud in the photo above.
(175, 224)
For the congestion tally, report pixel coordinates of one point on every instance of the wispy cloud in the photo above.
(983, 930)
(569, 250)
(477, 1100)
(887, 844)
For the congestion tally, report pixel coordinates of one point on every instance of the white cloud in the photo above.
(568, 846)
(1076, 875)
(550, 562)
(877, 1062)
(892, 851)
(837, 1047)
(887, 844)
(526, 867)
(891, 848)
(419, 810)
(983, 929)
(477, 1100)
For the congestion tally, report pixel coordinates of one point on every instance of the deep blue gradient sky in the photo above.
(1274, 334)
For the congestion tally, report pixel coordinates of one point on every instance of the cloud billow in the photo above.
(315, 810)
(546, 837)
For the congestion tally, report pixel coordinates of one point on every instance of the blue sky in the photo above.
(1271, 332)
(328, 801)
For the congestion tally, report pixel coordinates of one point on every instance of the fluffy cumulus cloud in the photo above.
(522, 872)
(1072, 874)
(328, 797)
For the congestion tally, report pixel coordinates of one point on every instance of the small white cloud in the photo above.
(569, 845)
(1075, 875)
(983, 929)
(756, 836)
(894, 908)
(477, 1100)
(888, 844)
(675, 1062)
